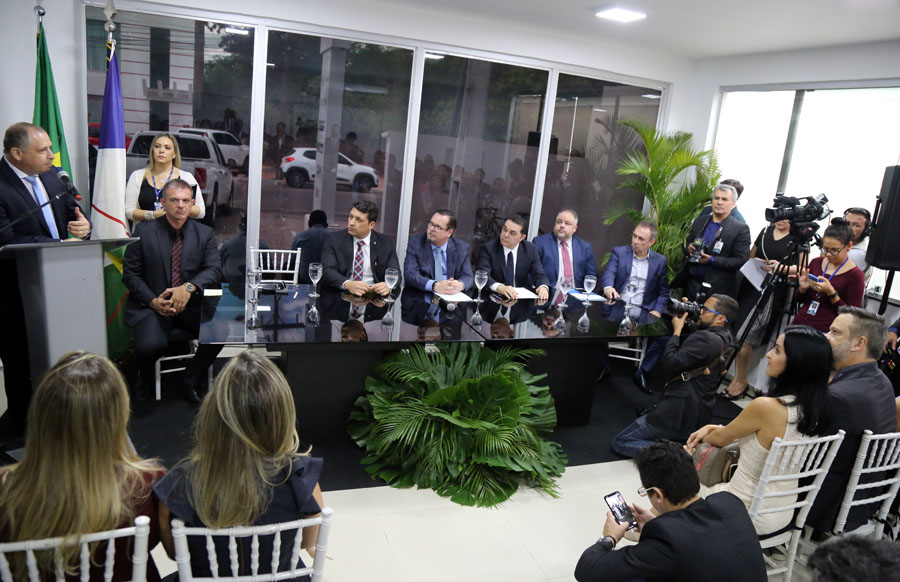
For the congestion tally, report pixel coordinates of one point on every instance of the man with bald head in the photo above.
(564, 254)
(27, 180)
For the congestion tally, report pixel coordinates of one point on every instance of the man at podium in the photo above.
(27, 181)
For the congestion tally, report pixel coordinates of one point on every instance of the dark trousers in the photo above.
(14, 344)
(151, 340)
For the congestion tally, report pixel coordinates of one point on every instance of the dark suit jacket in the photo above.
(722, 269)
(147, 268)
(310, 242)
(529, 272)
(16, 200)
(710, 540)
(686, 406)
(582, 257)
(861, 397)
(337, 258)
(418, 266)
(618, 270)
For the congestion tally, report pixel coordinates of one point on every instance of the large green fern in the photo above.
(463, 420)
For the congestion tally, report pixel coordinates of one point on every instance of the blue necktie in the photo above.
(510, 272)
(47, 210)
(439, 264)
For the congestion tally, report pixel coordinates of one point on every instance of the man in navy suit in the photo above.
(27, 179)
(437, 244)
(512, 262)
(563, 247)
(638, 276)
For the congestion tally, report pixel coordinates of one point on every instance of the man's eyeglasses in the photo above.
(643, 491)
(437, 227)
(828, 251)
(711, 310)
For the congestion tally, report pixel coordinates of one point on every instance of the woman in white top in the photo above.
(800, 364)
(144, 186)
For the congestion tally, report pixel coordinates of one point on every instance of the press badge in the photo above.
(813, 308)
(717, 248)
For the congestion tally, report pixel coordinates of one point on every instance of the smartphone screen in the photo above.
(620, 509)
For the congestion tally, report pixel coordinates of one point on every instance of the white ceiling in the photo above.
(696, 29)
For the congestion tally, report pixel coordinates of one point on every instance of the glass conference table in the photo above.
(327, 375)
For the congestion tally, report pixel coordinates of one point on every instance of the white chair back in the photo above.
(180, 535)
(140, 532)
(276, 267)
(877, 454)
(793, 461)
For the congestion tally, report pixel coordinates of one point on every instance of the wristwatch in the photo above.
(148, 215)
(191, 288)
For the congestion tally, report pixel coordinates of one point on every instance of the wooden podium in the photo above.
(63, 296)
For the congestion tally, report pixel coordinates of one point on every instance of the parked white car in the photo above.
(236, 154)
(300, 167)
(200, 156)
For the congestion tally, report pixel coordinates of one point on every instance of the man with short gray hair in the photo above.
(861, 397)
(564, 254)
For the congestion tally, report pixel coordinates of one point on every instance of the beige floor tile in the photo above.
(391, 500)
(352, 502)
(359, 550)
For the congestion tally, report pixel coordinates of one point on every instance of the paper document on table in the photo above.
(753, 271)
(454, 297)
(585, 297)
(523, 293)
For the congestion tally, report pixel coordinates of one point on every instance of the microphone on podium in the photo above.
(67, 182)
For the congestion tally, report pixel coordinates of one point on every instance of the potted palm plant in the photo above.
(676, 181)
(464, 420)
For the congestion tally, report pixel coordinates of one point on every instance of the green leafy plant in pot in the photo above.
(463, 420)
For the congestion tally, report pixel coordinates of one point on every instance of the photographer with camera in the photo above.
(860, 221)
(717, 247)
(693, 365)
(831, 281)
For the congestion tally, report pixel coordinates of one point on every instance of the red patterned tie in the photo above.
(176, 260)
(358, 261)
(567, 261)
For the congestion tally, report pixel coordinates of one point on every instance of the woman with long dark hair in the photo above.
(797, 407)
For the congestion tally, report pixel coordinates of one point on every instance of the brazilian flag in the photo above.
(46, 106)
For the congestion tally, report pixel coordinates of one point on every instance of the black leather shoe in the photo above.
(190, 394)
(641, 382)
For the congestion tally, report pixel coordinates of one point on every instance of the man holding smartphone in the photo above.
(689, 538)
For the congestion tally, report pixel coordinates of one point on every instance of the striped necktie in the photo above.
(358, 261)
(176, 260)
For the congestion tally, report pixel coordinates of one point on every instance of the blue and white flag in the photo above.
(108, 203)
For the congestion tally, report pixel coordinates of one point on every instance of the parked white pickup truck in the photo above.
(201, 157)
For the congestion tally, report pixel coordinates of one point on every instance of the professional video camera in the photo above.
(676, 308)
(790, 208)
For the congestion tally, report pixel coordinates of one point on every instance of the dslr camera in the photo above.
(699, 247)
(796, 210)
(676, 308)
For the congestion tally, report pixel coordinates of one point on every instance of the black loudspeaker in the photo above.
(884, 250)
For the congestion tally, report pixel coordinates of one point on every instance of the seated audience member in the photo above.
(840, 282)
(435, 261)
(565, 254)
(861, 397)
(738, 190)
(693, 366)
(310, 242)
(166, 272)
(78, 474)
(244, 468)
(512, 262)
(354, 260)
(690, 538)
(856, 559)
(800, 365)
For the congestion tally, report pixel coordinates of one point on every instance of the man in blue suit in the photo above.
(562, 247)
(638, 276)
(437, 244)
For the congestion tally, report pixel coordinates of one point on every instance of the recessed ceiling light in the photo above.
(231, 30)
(651, 96)
(620, 14)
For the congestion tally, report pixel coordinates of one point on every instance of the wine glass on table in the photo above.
(590, 282)
(481, 278)
(315, 274)
(565, 285)
(391, 277)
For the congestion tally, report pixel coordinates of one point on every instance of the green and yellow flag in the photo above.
(46, 106)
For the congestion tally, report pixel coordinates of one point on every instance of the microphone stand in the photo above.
(52, 199)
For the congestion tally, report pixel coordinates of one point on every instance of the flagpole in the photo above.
(39, 11)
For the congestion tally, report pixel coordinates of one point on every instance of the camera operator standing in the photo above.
(717, 247)
(694, 365)
(859, 220)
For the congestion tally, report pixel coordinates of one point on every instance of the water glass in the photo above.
(590, 282)
(481, 278)
(315, 275)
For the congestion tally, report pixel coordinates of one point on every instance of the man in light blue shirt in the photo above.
(437, 262)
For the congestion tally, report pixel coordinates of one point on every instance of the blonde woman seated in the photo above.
(800, 364)
(144, 186)
(244, 468)
(78, 473)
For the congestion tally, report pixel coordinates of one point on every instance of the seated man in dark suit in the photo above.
(861, 398)
(437, 243)
(311, 242)
(27, 180)
(512, 262)
(354, 260)
(166, 273)
(564, 254)
(689, 538)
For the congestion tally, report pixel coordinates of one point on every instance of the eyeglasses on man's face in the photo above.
(644, 491)
(711, 310)
(437, 227)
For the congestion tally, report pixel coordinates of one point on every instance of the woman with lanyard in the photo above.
(773, 244)
(830, 281)
(144, 186)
